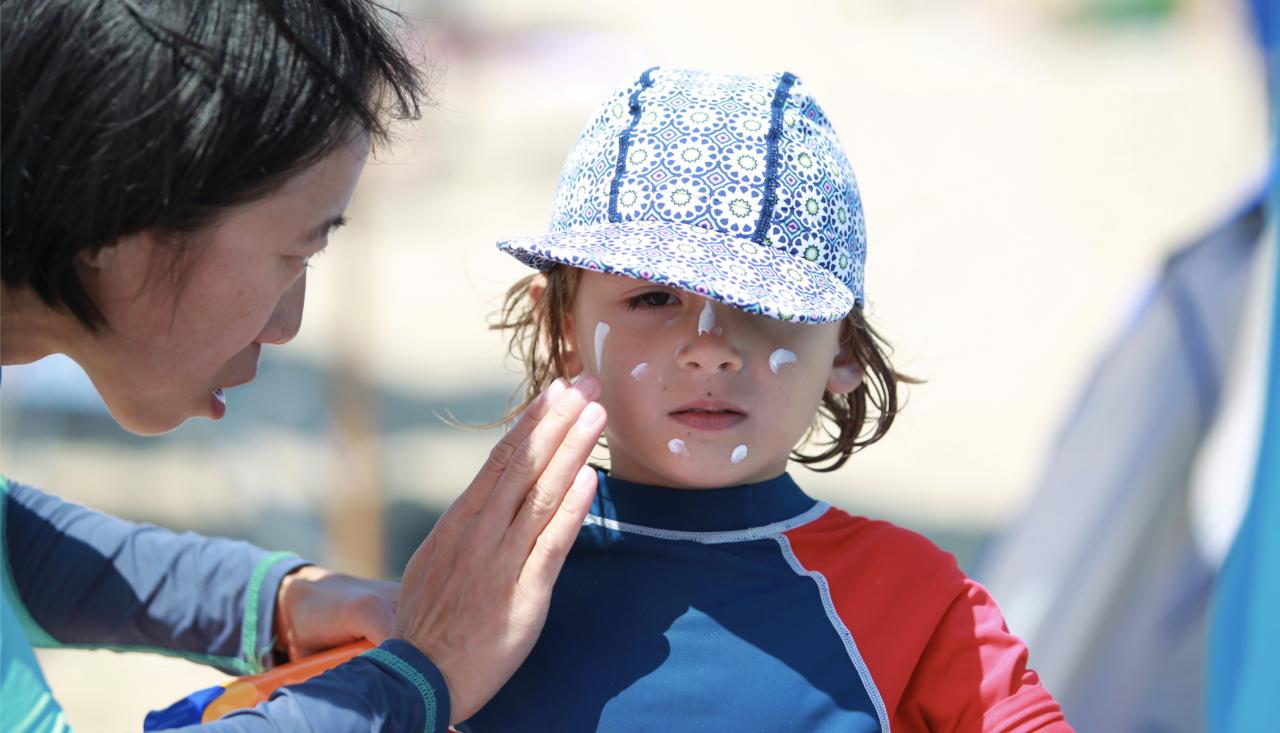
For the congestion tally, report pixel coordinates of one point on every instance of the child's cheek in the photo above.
(791, 383)
(628, 374)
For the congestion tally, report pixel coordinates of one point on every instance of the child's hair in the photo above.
(846, 420)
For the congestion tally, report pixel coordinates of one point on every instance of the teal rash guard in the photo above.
(73, 577)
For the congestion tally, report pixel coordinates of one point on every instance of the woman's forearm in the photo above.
(89, 579)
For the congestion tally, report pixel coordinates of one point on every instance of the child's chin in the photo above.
(690, 473)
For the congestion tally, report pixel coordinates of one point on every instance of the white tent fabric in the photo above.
(1102, 575)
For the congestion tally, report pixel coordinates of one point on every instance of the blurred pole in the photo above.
(354, 521)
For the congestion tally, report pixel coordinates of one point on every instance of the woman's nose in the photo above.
(709, 349)
(286, 319)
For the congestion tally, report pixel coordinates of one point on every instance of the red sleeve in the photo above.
(973, 675)
(933, 640)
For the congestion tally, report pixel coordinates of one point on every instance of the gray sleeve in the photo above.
(87, 579)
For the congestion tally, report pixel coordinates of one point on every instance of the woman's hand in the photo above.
(475, 594)
(317, 609)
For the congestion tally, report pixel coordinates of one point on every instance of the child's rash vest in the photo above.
(757, 608)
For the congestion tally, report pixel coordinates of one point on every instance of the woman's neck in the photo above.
(29, 329)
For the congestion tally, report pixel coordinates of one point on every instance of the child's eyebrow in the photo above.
(646, 285)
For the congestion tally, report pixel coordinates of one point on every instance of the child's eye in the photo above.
(652, 299)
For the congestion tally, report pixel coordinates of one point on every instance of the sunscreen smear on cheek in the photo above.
(780, 358)
(602, 332)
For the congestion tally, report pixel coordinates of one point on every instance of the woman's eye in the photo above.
(305, 260)
(652, 299)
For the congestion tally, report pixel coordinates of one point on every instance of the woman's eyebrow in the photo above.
(324, 228)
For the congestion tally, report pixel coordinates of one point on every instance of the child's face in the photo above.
(699, 394)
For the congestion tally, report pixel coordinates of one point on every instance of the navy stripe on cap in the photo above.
(771, 156)
(624, 143)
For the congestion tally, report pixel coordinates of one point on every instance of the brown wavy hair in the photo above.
(845, 423)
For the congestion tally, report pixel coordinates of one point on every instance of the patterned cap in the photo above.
(732, 187)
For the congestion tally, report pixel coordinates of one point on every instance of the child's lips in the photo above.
(708, 415)
(709, 420)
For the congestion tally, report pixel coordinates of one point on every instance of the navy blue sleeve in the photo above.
(87, 579)
(394, 687)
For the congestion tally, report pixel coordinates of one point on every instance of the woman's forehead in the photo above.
(307, 203)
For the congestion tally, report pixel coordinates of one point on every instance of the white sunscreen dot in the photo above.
(780, 358)
(639, 370)
(602, 330)
(739, 454)
(707, 319)
(676, 446)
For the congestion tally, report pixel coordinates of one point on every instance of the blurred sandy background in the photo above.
(1025, 168)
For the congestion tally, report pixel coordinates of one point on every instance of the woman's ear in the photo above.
(119, 269)
(568, 337)
(112, 256)
(99, 259)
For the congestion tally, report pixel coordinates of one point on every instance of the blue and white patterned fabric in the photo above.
(733, 187)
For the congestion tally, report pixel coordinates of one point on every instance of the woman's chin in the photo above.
(148, 419)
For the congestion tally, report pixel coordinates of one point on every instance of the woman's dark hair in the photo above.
(126, 115)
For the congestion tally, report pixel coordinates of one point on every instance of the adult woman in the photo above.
(168, 169)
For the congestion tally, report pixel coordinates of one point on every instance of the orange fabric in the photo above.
(933, 640)
(245, 692)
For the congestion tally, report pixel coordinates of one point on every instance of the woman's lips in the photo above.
(709, 415)
(218, 404)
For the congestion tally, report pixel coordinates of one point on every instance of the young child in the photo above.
(705, 263)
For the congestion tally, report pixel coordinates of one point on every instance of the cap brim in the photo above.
(753, 277)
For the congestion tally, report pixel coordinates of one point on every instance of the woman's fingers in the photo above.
(548, 495)
(523, 484)
(317, 609)
(552, 545)
(376, 617)
(478, 491)
(457, 519)
(472, 600)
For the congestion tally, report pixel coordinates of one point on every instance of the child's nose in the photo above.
(708, 350)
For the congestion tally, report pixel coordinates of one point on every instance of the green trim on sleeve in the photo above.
(407, 671)
(253, 612)
(36, 635)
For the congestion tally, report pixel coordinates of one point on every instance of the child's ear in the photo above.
(845, 378)
(569, 339)
(569, 347)
(846, 373)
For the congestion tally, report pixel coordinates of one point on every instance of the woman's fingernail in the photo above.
(584, 482)
(556, 389)
(591, 416)
(587, 386)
